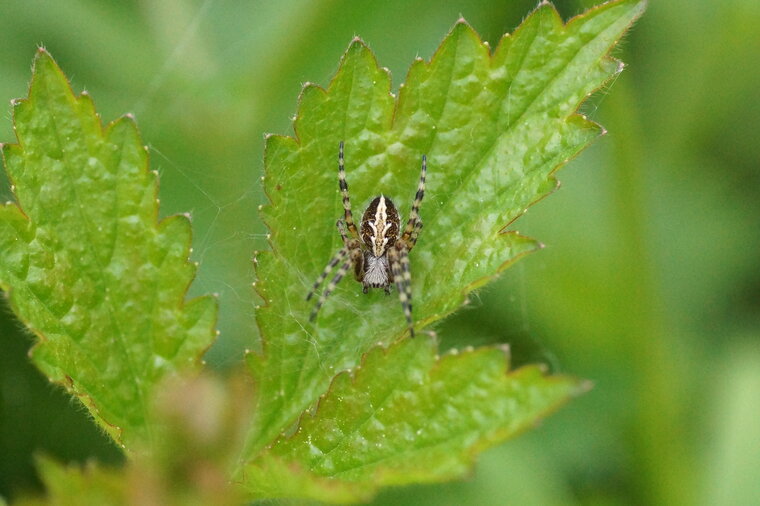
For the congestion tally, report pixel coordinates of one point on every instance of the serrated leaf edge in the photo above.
(468, 454)
(113, 430)
(358, 43)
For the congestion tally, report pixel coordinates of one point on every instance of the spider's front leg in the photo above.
(414, 224)
(343, 185)
(402, 278)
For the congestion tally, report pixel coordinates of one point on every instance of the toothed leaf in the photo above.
(494, 126)
(86, 264)
(405, 416)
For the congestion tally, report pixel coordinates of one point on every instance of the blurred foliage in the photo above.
(649, 286)
(200, 420)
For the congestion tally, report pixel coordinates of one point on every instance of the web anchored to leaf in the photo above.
(494, 127)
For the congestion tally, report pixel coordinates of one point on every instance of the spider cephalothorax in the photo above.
(376, 252)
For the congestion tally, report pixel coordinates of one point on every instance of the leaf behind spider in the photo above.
(495, 126)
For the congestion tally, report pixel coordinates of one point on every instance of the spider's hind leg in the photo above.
(414, 215)
(350, 254)
(335, 260)
(402, 278)
(331, 285)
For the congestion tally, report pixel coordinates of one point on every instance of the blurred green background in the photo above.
(649, 285)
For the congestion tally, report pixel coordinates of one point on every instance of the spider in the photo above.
(375, 251)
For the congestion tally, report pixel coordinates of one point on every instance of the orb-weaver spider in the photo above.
(375, 251)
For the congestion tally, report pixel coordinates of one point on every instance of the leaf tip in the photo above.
(126, 126)
(356, 44)
(544, 4)
(461, 25)
(545, 12)
(130, 121)
(45, 69)
(309, 88)
(42, 59)
(41, 55)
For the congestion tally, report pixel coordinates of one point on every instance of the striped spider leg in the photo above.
(377, 254)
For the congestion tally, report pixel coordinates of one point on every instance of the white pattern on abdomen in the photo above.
(375, 271)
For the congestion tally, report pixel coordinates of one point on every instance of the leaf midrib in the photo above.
(120, 338)
(309, 349)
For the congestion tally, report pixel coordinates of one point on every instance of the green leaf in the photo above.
(494, 126)
(86, 264)
(405, 416)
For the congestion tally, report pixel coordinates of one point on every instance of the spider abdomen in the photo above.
(376, 271)
(380, 225)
